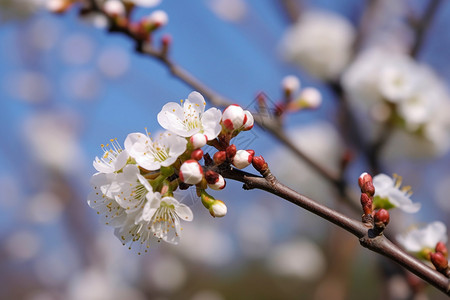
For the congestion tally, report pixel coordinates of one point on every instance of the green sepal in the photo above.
(379, 203)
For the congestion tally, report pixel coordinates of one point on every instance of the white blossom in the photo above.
(389, 189)
(144, 3)
(419, 239)
(113, 159)
(191, 118)
(114, 8)
(320, 42)
(154, 154)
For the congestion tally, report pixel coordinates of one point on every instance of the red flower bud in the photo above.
(381, 218)
(197, 154)
(220, 157)
(259, 163)
(439, 261)
(231, 151)
(211, 177)
(441, 248)
(368, 188)
(363, 178)
(366, 203)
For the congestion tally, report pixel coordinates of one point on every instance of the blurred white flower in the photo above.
(45, 207)
(77, 49)
(229, 10)
(300, 258)
(389, 193)
(84, 85)
(167, 273)
(320, 42)
(442, 193)
(28, 86)
(53, 140)
(191, 118)
(44, 33)
(144, 3)
(22, 245)
(383, 85)
(423, 238)
(113, 62)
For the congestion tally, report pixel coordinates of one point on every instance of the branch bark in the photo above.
(379, 244)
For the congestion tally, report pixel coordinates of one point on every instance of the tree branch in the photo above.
(379, 244)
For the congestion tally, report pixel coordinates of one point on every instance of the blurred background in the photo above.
(67, 86)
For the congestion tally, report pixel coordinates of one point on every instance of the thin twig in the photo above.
(379, 244)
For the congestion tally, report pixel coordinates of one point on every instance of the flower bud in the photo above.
(215, 181)
(166, 41)
(114, 8)
(231, 151)
(198, 140)
(439, 261)
(310, 98)
(381, 218)
(363, 178)
(366, 203)
(218, 209)
(197, 154)
(233, 117)
(290, 84)
(441, 248)
(368, 188)
(242, 159)
(155, 20)
(250, 121)
(259, 164)
(219, 157)
(191, 172)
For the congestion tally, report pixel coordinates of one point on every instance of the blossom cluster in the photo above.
(394, 88)
(133, 189)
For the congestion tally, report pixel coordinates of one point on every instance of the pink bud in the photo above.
(381, 218)
(198, 140)
(191, 172)
(231, 151)
(259, 164)
(233, 117)
(219, 157)
(166, 41)
(242, 159)
(197, 154)
(441, 248)
(439, 261)
(363, 178)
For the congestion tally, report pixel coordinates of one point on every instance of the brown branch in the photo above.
(377, 243)
(423, 25)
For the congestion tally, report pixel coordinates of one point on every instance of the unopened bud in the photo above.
(363, 178)
(250, 121)
(290, 84)
(166, 41)
(441, 248)
(155, 20)
(197, 154)
(219, 157)
(381, 218)
(233, 117)
(366, 203)
(114, 8)
(198, 140)
(279, 109)
(191, 172)
(439, 261)
(259, 164)
(310, 98)
(215, 181)
(368, 188)
(231, 151)
(242, 159)
(218, 209)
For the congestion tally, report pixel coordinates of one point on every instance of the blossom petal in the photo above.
(211, 123)
(197, 99)
(184, 212)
